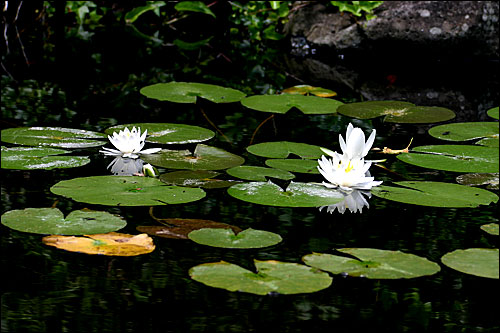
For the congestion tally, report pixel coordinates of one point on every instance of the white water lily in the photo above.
(125, 166)
(354, 147)
(149, 171)
(128, 143)
(354, 201)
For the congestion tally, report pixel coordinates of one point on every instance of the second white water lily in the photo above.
(128, 143)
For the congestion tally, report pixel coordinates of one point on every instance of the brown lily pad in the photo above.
(180, 228)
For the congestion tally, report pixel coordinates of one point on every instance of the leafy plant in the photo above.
(358, 8)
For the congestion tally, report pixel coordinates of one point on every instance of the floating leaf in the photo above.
(125, 191)
(52, 137)
(475, 261)
(373, 264)
(258, 173)
(491, 228)
(283, 103)
(193, 6)
(180, 228)
(493, 113)
(466, 131)
(294, 165)
(168, 133)
(296, 194)
(196, 178)
(396, 112)
(227, 238)
(282, 149)
(24, 158)
(203, 158)
(458, 158)
(476, 179)
(271, 277)
(306, 90)
(435, 194)
(187, 92)
(110, 244)
(52, 221)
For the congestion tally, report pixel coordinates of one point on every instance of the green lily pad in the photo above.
(435, 194)
(125, 191)
(493, 112)
(52, 137)
(458, 158)
(283, 103)
(475, 261)
(491, 228)
(196, 178)
(466, 131)
(271, 277)
(476, 179)
(303, 89)
(226, 238)
(166, 133)
(204, 158)
(396, 112)
(373, 264)
(296, 194)
(258, 173)
(24, 158)
(188, 92)
(294, 165)
(52, 221)
(282, 149)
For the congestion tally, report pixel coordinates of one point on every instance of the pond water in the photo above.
(50, 290)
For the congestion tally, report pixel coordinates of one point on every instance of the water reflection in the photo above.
(126, 166)
(354, 201)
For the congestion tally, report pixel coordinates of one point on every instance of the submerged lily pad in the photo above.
(493, 112)
(283, 103)
(458, 158)
(52, 137)
(256, 173)
(52, 221)
(180, 228)
(227, 238)
(110, 244)
(397, 112)
(196, 178)
(271, 277)
(203, 158)
(282, 149)
(475, 261)
(466, 131)
(306, 90)
(188, 92)
(24, 158)
(491, 228)
(435, 194)
(296, 194)
(125, 191)
(167, 133)
(294, 165)
(373, 264)
(476, 179)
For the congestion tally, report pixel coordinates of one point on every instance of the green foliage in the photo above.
(358, 8)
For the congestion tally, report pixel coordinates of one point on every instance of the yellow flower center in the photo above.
(349, 167)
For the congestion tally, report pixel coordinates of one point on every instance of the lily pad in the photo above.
(256, 173)
(491, 228)
(475, 261)
(196, 178)
(477, 179)
(52, 137)
(203, 158)
(188, 92)
(373, 264)
(282, 149)
(466, 131)
(458, 158)
(227, 238)
(435, 194)
(125, 191)
(396, 112)
(180, 228)
(52, 221)
(283, 103)
(306, 90)
(294, 165)
(167, 133)
(271, 277)
(296, 194)
(24, 158)
(493, 112)
(109, 244)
